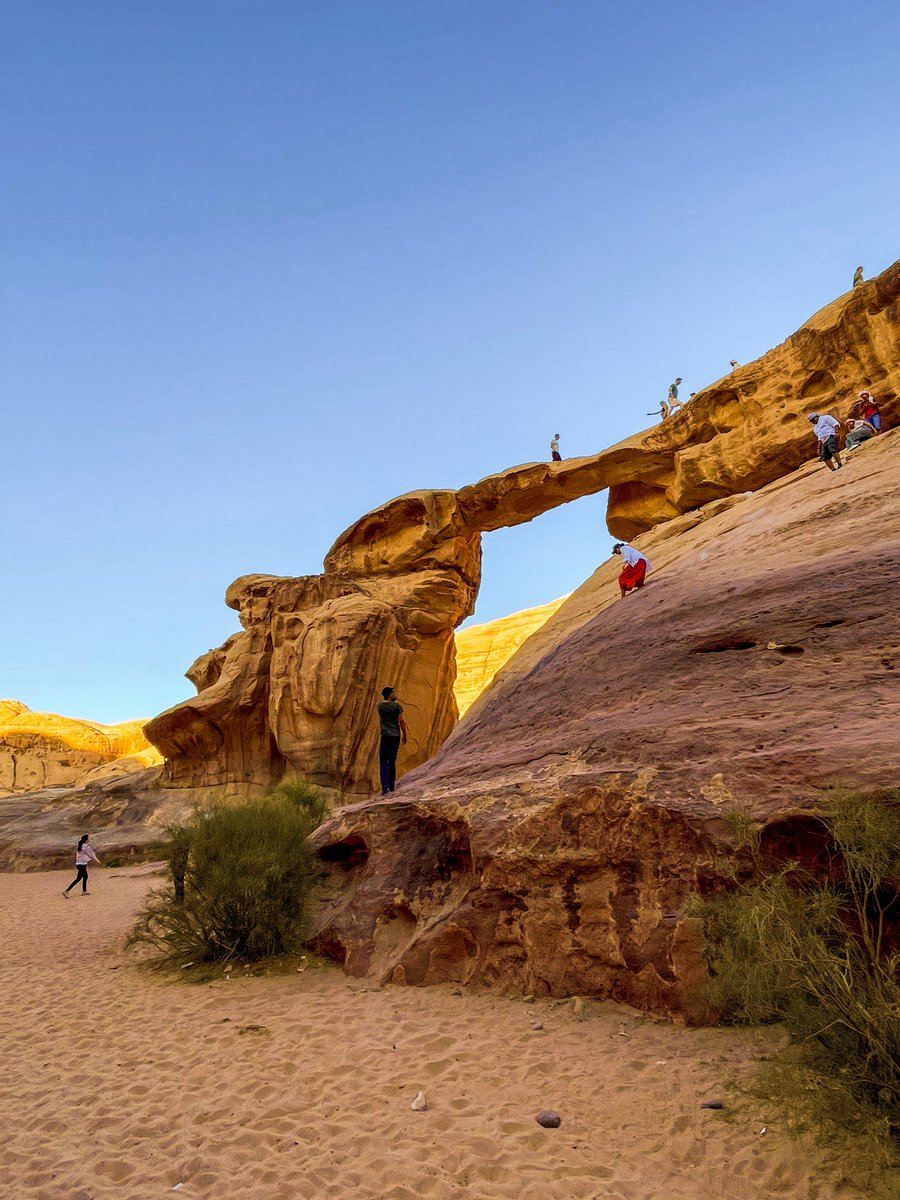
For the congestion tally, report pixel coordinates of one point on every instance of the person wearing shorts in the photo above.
(826, 430)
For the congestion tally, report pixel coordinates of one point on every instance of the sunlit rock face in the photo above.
(40, 750)
(294, 694)
(481, 650)
(551, 844)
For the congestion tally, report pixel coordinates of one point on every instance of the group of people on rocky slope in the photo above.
(866, 424)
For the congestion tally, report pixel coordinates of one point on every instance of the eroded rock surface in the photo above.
(295, 692)
(551, 844)
(39, 750)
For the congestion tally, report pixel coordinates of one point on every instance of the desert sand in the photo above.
(121, 1083)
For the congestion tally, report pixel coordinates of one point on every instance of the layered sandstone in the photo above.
(481, 650)
(552, 843)
(44, 750)
(295, 692)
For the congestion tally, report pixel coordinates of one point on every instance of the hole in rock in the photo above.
(820, 383)
(831, 624)
(720, 645)
(791, 650)
(350, 853)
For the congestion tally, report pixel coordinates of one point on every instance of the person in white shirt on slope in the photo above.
(826, 430)
(636, 567)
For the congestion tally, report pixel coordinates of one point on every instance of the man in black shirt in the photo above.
(393, 733)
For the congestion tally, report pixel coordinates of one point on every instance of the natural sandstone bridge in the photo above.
(293, 694)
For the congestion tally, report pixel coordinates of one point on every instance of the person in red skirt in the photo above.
(636, 567)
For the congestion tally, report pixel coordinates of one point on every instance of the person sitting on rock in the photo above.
(826, 430)
(393, 733)
(662, 412)
(869, 411)
(857, 276)
(636, 567)
(860, 431)
(554, 448)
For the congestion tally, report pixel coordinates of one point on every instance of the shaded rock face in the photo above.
(295, 693)
(40, 750)
(551, 844)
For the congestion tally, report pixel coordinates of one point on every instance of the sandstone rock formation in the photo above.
(551, 844)
(481, 650)
(43, 750)
(126, 812)
(295, 692)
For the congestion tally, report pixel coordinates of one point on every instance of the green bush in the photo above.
(240, 875)
(822, 957)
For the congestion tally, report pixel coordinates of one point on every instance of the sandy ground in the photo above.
(121, 1084)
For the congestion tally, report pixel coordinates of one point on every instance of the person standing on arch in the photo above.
(393, 734)
(554, 448)
(636, 567)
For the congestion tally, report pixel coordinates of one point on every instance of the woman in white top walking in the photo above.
(83, 855)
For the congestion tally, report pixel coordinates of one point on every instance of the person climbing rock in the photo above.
(857, 277)
(636, 567)
(673, 401)
(393, 735)
(868, 410)
(662, 412)
(554, 448)
(826, 430)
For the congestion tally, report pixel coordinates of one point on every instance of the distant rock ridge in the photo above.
(482, 650)
(45, 750)
(294, 693)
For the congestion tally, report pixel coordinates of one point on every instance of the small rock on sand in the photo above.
(420, 1104)
(549, 1119)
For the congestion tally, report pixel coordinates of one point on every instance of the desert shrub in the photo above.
(239, 877)
(822, 957)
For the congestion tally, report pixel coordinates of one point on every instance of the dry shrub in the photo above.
(240, 875)
(822, 957)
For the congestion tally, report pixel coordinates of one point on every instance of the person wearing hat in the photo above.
(826, 430)
(868, 410)
(636, 567)
(393, 733)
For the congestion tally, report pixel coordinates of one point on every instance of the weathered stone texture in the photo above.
(551, 845)
(44, 750)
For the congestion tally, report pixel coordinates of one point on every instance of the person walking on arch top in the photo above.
(826, 430)
(393, 734)
(555, 455)
(636, 567)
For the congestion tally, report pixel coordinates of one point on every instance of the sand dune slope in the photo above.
(116, 1084)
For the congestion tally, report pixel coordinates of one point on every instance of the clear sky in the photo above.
(266, 264)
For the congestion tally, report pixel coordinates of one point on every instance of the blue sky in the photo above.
(268, 264)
